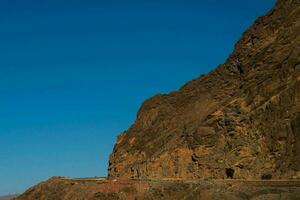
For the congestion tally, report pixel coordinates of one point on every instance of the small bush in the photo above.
(229, 172)
(266, 176)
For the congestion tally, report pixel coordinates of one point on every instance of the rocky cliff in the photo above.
(242, 120)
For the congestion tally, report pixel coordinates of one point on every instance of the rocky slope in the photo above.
(240, 120)
(66, 189)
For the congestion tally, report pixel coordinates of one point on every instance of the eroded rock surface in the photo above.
(244, 116)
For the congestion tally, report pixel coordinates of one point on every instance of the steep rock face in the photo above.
(244, 116)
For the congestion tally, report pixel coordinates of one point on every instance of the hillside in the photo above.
(242, 117)
(75, 189)
(219, 135)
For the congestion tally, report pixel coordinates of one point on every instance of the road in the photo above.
(273, 182)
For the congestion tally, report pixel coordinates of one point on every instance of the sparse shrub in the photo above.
(266, 176)
(229, 172)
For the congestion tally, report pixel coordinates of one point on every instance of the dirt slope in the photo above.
(65, 189)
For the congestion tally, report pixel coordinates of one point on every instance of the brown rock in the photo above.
(240, 121)
(245, 115)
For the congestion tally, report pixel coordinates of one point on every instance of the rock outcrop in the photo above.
(242, 120)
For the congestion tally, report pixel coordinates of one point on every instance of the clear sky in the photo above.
(73, 73)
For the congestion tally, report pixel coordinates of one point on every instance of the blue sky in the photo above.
(74, 73)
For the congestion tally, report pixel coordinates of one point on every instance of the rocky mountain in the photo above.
(242, 120)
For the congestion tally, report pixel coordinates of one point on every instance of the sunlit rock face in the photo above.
(243, 117)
